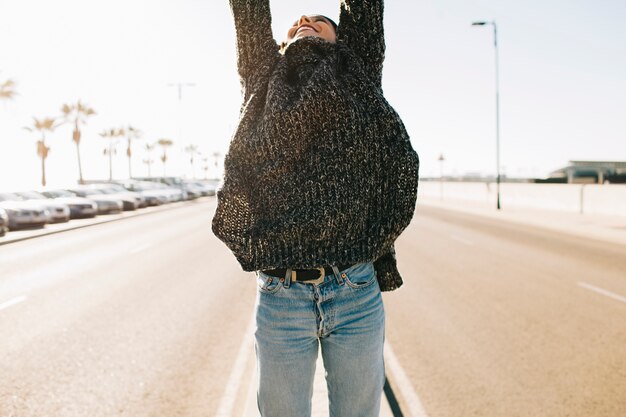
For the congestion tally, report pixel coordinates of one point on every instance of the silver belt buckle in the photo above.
(315, 282)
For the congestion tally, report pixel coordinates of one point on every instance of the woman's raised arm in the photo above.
(361, 28)
(256, 48)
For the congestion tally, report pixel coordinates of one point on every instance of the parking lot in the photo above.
(30, 213)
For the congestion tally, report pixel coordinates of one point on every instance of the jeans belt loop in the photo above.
(337, 275)
(287, 282)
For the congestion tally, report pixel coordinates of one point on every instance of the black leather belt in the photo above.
(306, 275)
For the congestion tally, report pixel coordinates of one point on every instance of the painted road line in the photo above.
(603, 292)
(251, 409)
(319, 401)
(320, 393)
(236, 375)
(464, 241)
(12, 302)
(415, 407)
(140, 248)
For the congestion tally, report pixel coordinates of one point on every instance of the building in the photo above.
(589, 172)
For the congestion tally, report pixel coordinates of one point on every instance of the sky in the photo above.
(562, 82)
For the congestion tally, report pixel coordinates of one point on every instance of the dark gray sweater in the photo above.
(320, 170)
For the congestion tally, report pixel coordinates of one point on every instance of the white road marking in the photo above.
(320, 394)
(236, 375)
(251, 409)
(140, 248)
(460, 239)
(416, 409)
(603, 292)
(12, 302)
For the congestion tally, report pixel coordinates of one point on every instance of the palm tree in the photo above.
(111, 135)
(131, 133)
(192, 150)
(164, 143)
(216, 156)
(149, 161)
(41, 127)
(7, 90)
(205, 167)
(77, 114)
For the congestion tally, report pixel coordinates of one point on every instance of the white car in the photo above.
(198, 188)
(106, 204)
(59, 212)
(164, 193)
(4, 222)
(131, 200)
(154, 193)
(79, 207)
(23, 214)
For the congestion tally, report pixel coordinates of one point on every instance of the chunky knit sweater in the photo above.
(320, 170)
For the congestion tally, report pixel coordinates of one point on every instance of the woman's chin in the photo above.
(304, 35)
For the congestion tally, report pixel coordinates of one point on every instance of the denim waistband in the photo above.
(338, 275)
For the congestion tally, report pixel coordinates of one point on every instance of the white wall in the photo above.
(588, 198)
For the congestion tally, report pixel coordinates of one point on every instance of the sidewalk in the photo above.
(593, 226)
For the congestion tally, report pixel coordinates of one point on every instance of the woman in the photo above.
(320, 179)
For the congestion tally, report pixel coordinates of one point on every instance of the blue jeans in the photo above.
(345, 315)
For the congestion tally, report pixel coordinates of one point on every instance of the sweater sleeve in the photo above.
(256, 48)
(361, 29)
(387, 271)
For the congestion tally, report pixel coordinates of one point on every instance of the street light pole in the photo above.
(495, 44)
(441, 159)
(180, 86)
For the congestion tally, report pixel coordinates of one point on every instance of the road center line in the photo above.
(12, 302)
(460, 239)
(141, 248)
(416, 409)
(227, 403)
(603, 292)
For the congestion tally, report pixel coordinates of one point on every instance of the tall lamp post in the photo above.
(495, 43)
(180, 86)
(441, 159)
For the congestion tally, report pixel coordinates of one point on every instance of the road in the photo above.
(494, 320)
(146, 317)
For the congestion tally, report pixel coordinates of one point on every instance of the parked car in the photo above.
(23, 214)
(80, 207)
(172, 182)
(4, 222)
(131, 200)
(59, 212)
(149, 191)
(174, 193)
(106, 204)
(211, 186)
(199, 188)
(171, 193)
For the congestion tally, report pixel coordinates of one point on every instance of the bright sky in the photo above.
(562, 80)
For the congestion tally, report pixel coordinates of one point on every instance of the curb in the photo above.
(121, 216)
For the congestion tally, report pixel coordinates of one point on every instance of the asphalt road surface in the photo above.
(146, 316)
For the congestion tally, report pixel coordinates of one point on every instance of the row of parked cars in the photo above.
(30, 208)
